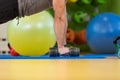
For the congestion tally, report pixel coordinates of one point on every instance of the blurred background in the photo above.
(79, 13)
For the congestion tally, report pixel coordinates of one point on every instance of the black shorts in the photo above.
(8, 10)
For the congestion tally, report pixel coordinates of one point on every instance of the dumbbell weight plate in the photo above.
(53, 52)
(74, 52)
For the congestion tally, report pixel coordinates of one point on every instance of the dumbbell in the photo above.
(74, 52)
(53, 52)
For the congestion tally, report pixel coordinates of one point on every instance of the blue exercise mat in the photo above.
(87, 56)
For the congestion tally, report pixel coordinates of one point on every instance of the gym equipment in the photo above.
(101, 31)
(117, 46)
(33, 36)
(74, 52)
(12, 51)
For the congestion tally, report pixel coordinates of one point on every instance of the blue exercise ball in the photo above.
(101, 32)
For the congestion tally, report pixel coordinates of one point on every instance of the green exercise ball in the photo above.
(33, 36)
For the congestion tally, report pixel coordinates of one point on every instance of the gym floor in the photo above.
(81, 69)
